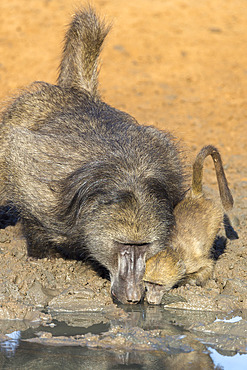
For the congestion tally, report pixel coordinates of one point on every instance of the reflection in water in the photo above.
(42, 357)
(174, 345)
(236, 361)
(9, 346)
(232, 320)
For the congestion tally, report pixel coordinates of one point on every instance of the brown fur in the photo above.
(86, 179)
(197, 222)
(162, 272)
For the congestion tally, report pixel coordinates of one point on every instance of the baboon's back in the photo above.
(57, 130)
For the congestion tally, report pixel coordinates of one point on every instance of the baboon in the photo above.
(87, 179)
(197, 221)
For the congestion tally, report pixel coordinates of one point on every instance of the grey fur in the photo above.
(86, 178)
(83, 42)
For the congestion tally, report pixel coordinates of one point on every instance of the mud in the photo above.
(178, 65)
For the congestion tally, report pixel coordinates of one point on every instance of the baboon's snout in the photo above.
(127, 285)
(154, 292)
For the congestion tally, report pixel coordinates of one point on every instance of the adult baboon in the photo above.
(86, 179)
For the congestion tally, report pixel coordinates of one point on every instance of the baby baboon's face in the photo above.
(154, 292)
(163, 271)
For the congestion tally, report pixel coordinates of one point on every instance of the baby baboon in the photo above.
(86, 179)
(188, 258)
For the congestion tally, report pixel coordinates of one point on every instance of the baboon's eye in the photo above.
(115, 197)
(157, 188)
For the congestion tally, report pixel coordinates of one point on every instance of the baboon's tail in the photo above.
(225, 193)
(82, 46)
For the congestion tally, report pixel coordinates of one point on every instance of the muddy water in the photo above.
(146, 337)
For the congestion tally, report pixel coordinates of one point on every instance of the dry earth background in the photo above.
(176, 64)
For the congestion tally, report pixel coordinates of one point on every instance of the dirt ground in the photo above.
(179, 65)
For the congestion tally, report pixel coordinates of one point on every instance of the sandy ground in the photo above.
(179, 65)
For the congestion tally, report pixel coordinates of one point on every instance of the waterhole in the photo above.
(145, 337)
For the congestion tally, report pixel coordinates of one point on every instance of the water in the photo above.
(151, 337)
(236, 361)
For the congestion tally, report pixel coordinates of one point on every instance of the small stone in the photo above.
(44, 334)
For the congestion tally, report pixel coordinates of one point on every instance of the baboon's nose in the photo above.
(133, 295)
(124, 299)
(133, 302)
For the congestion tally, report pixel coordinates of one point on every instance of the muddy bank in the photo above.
(28, 286)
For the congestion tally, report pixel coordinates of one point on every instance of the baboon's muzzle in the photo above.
(127, 285)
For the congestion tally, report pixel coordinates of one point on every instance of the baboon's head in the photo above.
(123, 219)
(163, 271)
